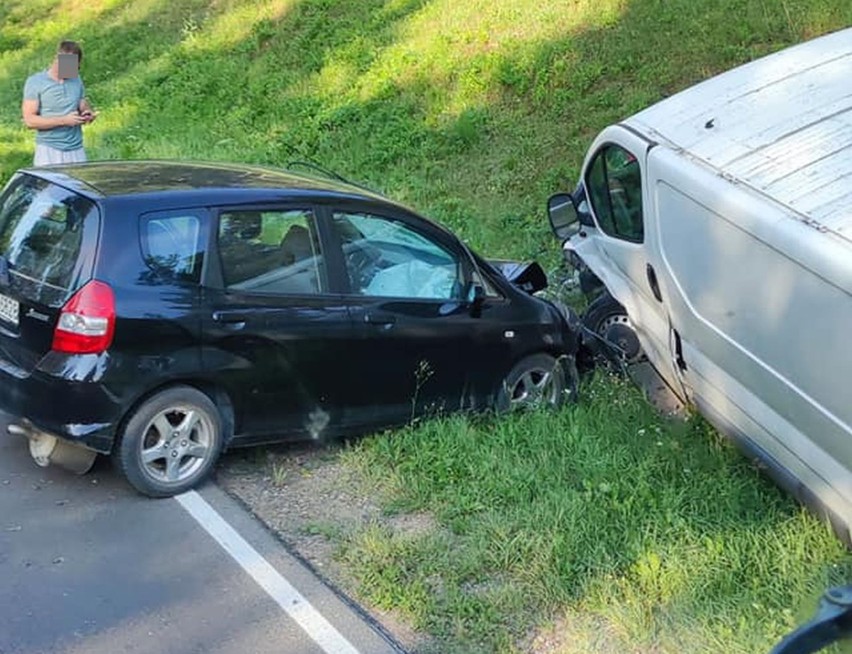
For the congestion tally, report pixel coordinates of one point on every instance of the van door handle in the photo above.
(678, 351)
(653, 283)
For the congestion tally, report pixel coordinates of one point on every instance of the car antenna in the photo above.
(310, 165)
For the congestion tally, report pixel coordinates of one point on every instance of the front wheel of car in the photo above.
(170, 443)
(538, 380)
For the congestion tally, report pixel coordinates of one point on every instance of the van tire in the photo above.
(608, 321)
(537, 380)
(170, 443)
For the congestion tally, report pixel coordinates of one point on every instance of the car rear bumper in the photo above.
(56, 399)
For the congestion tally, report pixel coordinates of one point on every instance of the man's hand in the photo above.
(86, 111)
(72, 119)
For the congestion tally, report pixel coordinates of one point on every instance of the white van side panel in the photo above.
(764, 335)
(738, 412)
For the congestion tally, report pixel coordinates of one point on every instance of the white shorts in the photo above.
(46, 155)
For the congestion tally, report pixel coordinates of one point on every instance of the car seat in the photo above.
(296, 245)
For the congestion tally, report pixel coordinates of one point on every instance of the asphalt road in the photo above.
(87, 565)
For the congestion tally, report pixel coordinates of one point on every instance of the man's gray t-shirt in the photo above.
(56, 99)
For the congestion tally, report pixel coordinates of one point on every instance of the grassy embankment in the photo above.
(628, 533)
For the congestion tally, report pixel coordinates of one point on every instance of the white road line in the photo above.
(276, 586)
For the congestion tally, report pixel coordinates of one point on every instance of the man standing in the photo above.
(55, 106)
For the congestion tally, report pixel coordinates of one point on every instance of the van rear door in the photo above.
(48, 236)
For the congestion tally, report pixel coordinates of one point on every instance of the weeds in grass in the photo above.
(421, 376)
(279, 473)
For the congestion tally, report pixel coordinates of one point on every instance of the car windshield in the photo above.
(42, 230)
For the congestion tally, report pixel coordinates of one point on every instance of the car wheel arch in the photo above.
(219, 396)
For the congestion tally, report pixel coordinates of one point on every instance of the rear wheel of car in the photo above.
(170, 443)
(537, 380)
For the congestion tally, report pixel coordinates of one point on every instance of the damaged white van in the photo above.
(714, 232)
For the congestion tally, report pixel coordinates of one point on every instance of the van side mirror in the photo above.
(563, 215)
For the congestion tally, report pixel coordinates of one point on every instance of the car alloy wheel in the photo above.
(537, 380)
(171, 442)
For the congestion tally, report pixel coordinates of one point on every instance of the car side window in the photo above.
(271, 252)
(387, 258)
(614, 185)
(172, 245)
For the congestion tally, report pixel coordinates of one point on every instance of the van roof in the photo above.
(781, 125)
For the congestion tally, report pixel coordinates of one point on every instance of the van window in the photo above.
(46, 239)
(614, 185)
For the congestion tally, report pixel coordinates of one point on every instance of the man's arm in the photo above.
(29, 111)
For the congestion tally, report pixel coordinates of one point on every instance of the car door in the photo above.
(405, 285)
(625, 250)
(275, 336)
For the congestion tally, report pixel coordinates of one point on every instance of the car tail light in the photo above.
(87, 321)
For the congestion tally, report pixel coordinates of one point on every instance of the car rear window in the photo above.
(43, 229)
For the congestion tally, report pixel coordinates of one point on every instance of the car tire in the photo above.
(537, 380)
(608, 322)
(170, 443)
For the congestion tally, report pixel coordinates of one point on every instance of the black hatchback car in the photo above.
(162, 311)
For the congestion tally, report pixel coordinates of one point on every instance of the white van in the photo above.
(719, 224)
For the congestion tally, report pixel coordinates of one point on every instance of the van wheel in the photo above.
(537, 380)
(170, 443)
(613, 338)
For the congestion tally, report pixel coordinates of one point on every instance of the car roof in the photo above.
(110, 179)
(781, 125)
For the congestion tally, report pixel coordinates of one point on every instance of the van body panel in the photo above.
(781, 125)
(747, 210)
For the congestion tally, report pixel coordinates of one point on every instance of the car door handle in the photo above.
(231, 319)
(380, 319)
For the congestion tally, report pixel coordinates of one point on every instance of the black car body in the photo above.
(142, 303)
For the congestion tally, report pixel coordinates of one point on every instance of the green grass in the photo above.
(603, 517)
(474, 112)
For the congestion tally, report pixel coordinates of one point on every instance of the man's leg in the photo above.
(46, 156)
(74, 156)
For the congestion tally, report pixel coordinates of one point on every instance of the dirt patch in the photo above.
(311, 501)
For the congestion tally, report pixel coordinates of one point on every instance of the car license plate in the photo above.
(9, 310)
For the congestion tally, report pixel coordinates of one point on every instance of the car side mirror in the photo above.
(563, 215)
(476, 298)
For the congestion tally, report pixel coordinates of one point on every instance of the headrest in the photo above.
(242, 225)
